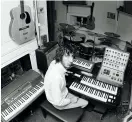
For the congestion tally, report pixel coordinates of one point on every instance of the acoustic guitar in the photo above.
(128, 117)
(22, 27)
(90, 19)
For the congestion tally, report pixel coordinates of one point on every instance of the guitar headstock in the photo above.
(92, 8)
(92, 5)
(90, 19)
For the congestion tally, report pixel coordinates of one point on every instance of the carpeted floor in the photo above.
(37, 116)
(111, 116)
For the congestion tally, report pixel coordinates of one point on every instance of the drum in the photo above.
(87, 49)
(112, 35)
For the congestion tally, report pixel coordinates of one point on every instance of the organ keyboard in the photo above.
(99, 85)
(83, 64)
(29, 87)
(97, 90)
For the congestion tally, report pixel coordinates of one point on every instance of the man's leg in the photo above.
(80, 103)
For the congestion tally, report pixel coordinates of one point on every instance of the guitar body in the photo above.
(90, 19)
(90, 23)
(22, 28)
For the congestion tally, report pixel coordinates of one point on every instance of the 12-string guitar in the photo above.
(22, 28)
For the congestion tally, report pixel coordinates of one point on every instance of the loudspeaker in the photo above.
(46, 55)
(41, 60)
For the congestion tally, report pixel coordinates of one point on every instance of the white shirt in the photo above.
(55, 84)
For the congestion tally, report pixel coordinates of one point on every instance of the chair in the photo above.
(67, 115)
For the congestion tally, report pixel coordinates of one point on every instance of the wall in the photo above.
(6, 6)
(125, 27)
(42, 19)
(60, 16)
(11, 51)
(100, 13)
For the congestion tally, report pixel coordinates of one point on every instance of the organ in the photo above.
(83, 64)
(104, 87)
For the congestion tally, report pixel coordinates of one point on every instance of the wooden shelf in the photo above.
(79, 5)
(76, 3)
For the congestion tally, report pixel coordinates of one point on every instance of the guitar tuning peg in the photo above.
(41, 9)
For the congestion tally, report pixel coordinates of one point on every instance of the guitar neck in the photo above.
(22, 6)
(92, 7)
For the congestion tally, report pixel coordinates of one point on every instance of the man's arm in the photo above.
(128, 117)
(57, 93)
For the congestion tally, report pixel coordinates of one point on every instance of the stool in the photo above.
(67, 115)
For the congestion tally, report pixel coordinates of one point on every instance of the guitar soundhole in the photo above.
(28, 20)
(22, 16)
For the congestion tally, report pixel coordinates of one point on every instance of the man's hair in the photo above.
(63, 49)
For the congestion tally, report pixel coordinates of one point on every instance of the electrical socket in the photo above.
(111, 15)
(40, 10)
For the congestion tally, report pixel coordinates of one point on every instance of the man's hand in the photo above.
(74, 99)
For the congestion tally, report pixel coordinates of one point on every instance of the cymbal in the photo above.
(112, 35)
(91, 33)
(78, 38)
(86, 44)
(63, 24)
(100, 35)
(104, 39)
(95, 34)
(67, 26)
(100, 46)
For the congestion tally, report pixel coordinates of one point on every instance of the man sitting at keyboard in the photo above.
(55, 84)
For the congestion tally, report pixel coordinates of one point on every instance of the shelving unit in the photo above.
(80, 5)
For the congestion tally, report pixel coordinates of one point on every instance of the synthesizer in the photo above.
(83, 64)
(96, 90)
(113, 67)
(20, 93)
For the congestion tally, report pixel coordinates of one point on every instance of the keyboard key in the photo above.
(99, 85)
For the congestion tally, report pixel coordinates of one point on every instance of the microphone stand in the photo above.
(93, 52)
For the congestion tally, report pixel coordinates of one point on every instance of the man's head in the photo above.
(64, 54)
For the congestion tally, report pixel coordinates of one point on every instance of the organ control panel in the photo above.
(113, 66)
